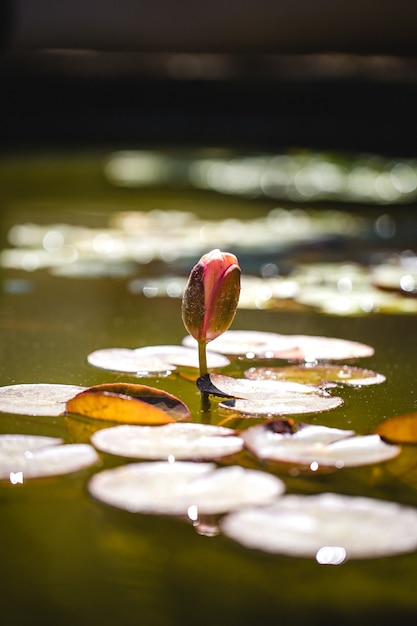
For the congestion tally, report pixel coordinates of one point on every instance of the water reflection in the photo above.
(300, 176)
(16, 478)
(329, 555)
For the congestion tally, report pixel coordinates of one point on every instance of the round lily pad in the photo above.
(247, 343)
(396, 277)
(328, 527)
(269, 397)
(173, 488)
(318, 375)
(172, 441)
(266, 345)
(17, 444)
(151, 360)
(399, 429)
(30, 456)
(128, 403)
(284, 406)
(314, 446)
(38, 399)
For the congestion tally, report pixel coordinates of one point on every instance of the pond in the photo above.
(67, 556)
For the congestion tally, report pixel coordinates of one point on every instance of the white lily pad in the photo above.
(246, 343)
(151, 360)
(328, 527)
(172, 441)
(271, 397)
(174, 488)
(37, 399)
(314, 446)
(401, 277)
(264, 345)
(361, 302)
(30, 456)
(282, 406)
(318, 375)
(17, 444)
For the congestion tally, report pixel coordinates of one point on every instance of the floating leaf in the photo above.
(400, 429)
(11, 444)
(283, 406)
(318, 375)
(182, 441)
(328, 527)
(41, 399)
(128, 403)
(400, 277)
(266, 345)
(361, 302)
(252, 389)
(31, 456)
(268, 397)
(246, 342)
(179, 487)
(151, 360)
(314, 446)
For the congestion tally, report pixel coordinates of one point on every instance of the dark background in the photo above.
(260, 75)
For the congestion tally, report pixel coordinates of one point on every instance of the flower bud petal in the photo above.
(211, 295)
(223, 302)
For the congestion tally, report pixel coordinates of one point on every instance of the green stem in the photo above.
(202, 358)
(202, 361)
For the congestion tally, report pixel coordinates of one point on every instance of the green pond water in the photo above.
(66, 558)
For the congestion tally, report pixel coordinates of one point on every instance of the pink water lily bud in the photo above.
(211, 295)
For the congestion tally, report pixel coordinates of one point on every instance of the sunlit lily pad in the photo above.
(268, 397)
(174, 488)
(246, 342)
(328, 527)
(151, 360)
(182, 441)
(38, 399)
(361, 302)
(400, 429)
(401, 277)
(264, 345)
(314, 446)
(318, 375)
(128, 403)
(31, 456)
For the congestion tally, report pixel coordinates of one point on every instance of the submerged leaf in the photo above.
(314, 446)
(128, 403)
(151, 360)
(400, 429)
(31, 456)
(182, 441)
(41, 399)
(318, 375)
(328, 527)
(179, 487)
(266, 345)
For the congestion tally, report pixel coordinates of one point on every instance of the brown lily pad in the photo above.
(399, 429)
(128, 404)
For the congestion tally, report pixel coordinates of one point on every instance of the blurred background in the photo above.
(264, 74)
